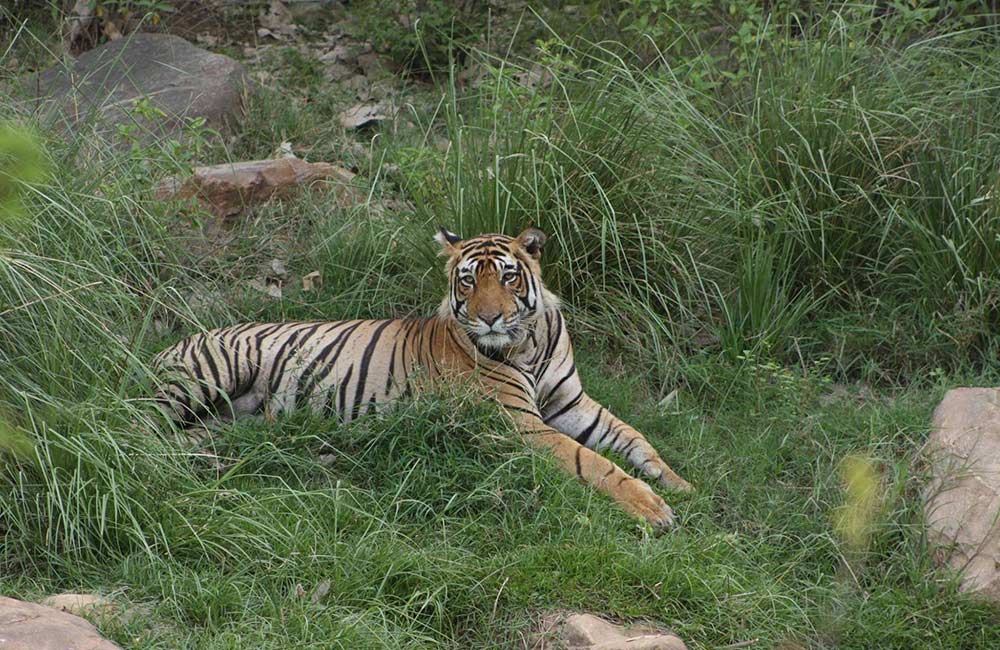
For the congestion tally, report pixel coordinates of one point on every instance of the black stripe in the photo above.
(342, 401)
(539, 350)
(199, 377)
(183, 346)
(238, 330)
(521, 410)
(212, 367)
(407, 335)
(582, 438)
(523, 398)
(366, 359)
(233, 350)
(579, 471)
(430, 348)
(224, 353)
(573, 402)
(392, 367)
(297, 341)
(307, 383)
(280, 359)
(268, 331)
(552, 340)
(309, 333)
(554, 389)
(611, 427)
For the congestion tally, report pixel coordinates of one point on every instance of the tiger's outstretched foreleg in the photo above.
(632, 494)
(587, 422)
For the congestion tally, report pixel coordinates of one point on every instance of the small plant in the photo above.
(703, 34)
(153, 154)
(423, 35)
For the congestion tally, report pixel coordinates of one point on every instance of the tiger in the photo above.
(498, 329)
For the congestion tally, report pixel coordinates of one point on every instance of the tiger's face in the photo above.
(495, 290)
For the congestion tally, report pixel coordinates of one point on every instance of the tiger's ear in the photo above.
(447, 240)
(532, 240)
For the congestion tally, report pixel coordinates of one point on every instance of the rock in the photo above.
(534, 78)
(341, 53)
(586, 631)
(322, 589)
(78, 22)
(373, 65)
(80, 604)
(962, 497)
(363, 114)
(277, 20)
(267, 286)
(227, 189)
(337, 72)
(180, 81)
(312, 281)
(27, 626)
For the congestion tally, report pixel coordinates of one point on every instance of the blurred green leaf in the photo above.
(22, 162)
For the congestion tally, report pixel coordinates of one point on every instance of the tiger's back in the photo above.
(339, 368)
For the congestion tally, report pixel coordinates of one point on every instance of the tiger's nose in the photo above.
(489, 317)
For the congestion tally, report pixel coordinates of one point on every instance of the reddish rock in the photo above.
(227, 189)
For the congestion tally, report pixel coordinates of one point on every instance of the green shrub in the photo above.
(423, 35)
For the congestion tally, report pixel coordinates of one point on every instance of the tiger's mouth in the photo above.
(493, 340)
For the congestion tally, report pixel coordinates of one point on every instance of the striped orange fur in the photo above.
(498, 327)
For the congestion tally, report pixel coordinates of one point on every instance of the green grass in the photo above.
(831, 217)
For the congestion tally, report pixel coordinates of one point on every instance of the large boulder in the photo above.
(178, 79)
(27, 626)
(962, 497)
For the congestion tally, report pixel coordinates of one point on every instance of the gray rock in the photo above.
(104, 84)
(27, 626)
(962, 497)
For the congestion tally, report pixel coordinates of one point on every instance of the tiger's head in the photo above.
(495, 289)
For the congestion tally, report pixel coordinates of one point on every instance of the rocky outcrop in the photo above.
(962, 497)
(175, 79)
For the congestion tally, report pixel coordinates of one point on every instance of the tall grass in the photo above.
(843, 177)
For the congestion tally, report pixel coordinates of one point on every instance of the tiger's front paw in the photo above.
(668, 478)
(640, 500)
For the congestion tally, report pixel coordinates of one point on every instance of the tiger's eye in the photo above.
(466, 281)
(509, 277)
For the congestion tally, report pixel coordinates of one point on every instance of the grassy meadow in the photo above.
(776, 236)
